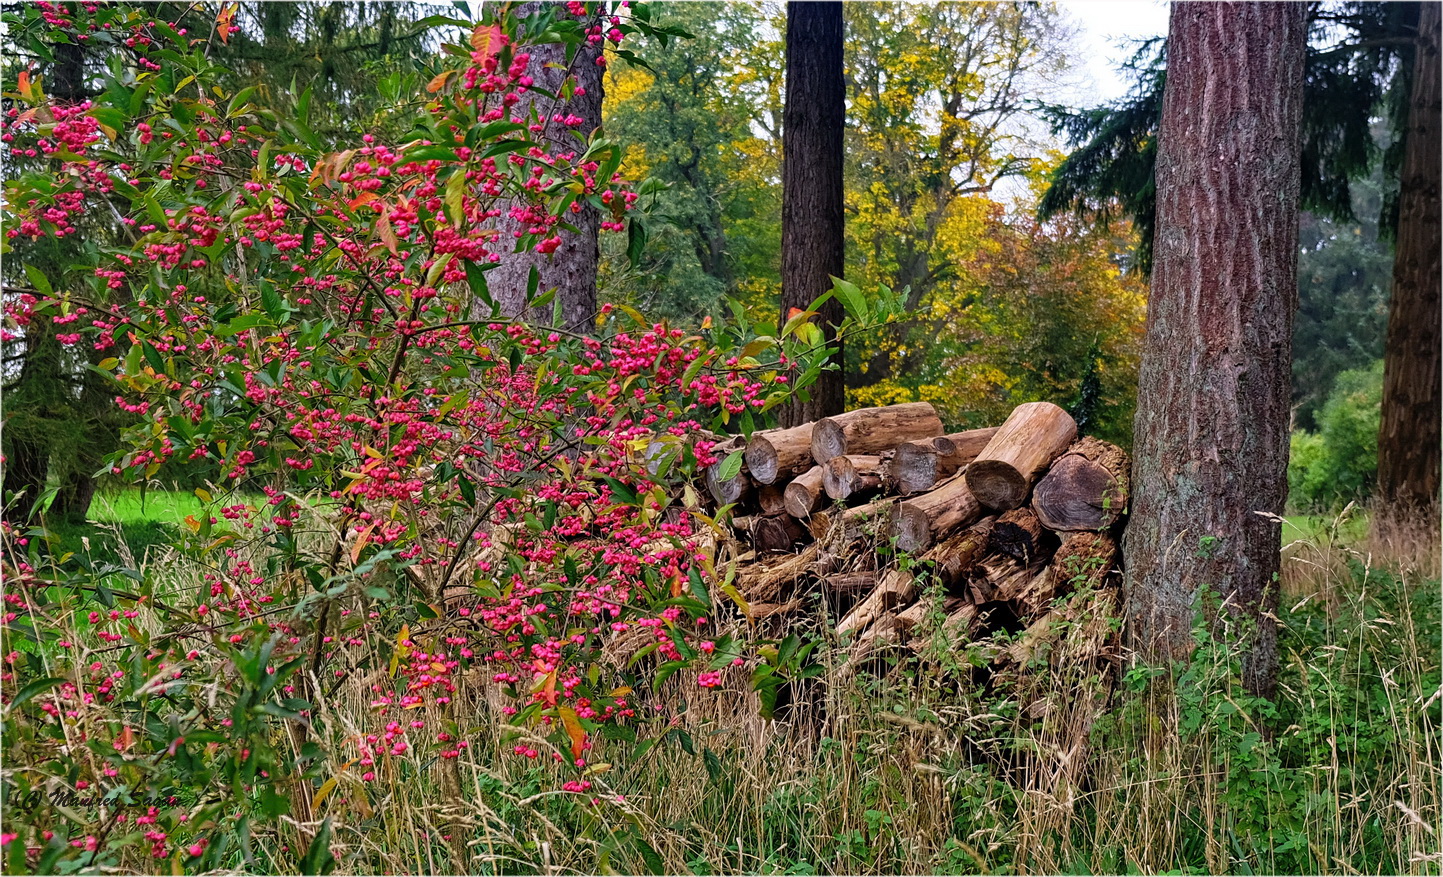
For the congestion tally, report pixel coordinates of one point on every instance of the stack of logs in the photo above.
(1016, 528)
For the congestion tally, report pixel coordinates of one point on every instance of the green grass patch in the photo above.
(140, 520)
(1325, 528)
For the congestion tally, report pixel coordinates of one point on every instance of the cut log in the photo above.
(732, 490)
(872, 430)
(852, 476)
(897, 588)
(804, 495)
(841, 530)
(850, 582)
(1085, 489)
(1036, 642)
(953, 558)
(1034, 435)
(777, 454)
(920, 521)
(771, 498)
(1032, 593)
(957, 630)
(1018, 535)
(1085, 560)
(769, 582)
(1095, 632)
(996, 577)
(778, 533)
(919, 464)
(758, 611)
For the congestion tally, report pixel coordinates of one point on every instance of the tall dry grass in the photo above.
(933, 767)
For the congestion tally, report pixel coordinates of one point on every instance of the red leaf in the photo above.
(487, 41)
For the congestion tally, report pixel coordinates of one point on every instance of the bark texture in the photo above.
(1211, 434)
(812, 231)
(1409, 435)
(572, 268)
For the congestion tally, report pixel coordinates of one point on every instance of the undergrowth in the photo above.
(929, 767)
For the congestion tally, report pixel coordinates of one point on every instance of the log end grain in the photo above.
(997, 484)
(828, 440)
(761, 459)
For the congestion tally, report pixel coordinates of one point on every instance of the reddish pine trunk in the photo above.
(1211, 439)
(812, 244)
(1409, 435)
(572, 269)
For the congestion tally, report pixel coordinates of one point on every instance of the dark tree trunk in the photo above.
(812, 243)
(1409, 436)
(26, 443)
(572, 268)
(101, 436)
(1211, 435)
(27, 465)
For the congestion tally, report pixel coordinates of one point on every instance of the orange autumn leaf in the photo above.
(439, 81)
(225, 22)
(572, 723)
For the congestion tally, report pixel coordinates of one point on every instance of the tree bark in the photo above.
(872, 430)
(1211, 434)
(1409, 435)
(812, 230)
(572, 268)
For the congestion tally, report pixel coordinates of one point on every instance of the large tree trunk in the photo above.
(1211, 435)
(1409, 436)
(102, 436)
(27, 465)
(812, 242)
(572, 268)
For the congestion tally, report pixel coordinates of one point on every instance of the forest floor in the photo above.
(925, 767)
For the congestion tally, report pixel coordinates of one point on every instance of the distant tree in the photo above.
(1050, 317)
(813, 237)
(1345, 268)
(702, 114)
(1409, 436)
(1211, 439)
(1362, 63)
(937, 95)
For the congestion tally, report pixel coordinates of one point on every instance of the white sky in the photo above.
(1104, 30)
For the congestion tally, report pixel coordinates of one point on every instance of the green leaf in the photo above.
(731, 467)
(431, 153)
(34, 688)
(272, 303)
(853, 302)
(110, 117)
(635, 243)
(39, 280)
(239, 101)
(318, 858)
